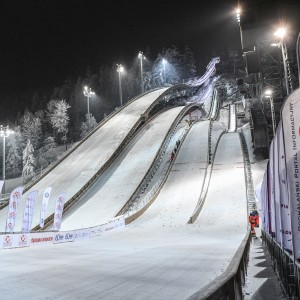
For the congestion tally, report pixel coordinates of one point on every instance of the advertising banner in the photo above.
(115, 223)
(97, 230)
(14, 241)
(59, 207)
(28, 211)
(81, 234)
(41, 238)
(264, 203)
(271, 191)
(291, 135)
(285, 215)
(63, 237)
(46, 197)
(14, 200)
(276, 190)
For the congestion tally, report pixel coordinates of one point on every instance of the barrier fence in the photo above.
(285, 266)
(20, 240)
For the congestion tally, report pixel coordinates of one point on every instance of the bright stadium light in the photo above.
(88, 93)
(120, 70)
(4, 132)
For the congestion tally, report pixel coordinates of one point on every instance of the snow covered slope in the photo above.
(159, 256)
(110, 193)
(77, 169)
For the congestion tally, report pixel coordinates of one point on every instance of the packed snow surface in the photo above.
(158, 256)
(77, 169)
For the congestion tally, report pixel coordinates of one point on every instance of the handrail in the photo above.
(248, 174)
(154, 192)
(229, 284)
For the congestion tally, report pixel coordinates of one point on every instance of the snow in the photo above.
(85, 161)
(111, 192)
(158, 256)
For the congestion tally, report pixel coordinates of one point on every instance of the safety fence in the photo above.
(20, 240)
(285, 266)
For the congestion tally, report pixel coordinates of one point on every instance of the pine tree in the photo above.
(28, 162)
(31, 128)
(59, 118)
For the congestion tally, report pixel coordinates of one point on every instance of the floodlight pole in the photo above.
(4, 132)
(88, 93)
(141, 57)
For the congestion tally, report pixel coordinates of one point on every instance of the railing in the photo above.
(229, 284)
(157, 160)
(248, 174)
(232, 118)
(285, 266)
(139, 204)
(205, 185)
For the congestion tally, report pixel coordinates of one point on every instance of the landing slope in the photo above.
(76, 170)
(159, 256)
(110, 193)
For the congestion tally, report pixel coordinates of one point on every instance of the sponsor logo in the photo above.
(58, 237)
(46, 195)
(69, 236)
(42, 239)
(7, 241)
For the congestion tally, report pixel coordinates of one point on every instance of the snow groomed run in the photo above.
(175, 246)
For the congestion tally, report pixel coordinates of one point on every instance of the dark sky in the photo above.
(45, 41)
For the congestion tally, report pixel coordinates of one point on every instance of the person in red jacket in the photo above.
(253, 221)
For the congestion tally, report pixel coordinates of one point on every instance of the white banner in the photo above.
(41, 238)
(271, 191)
(14, 200)
(97, 230)
(276, 190)
(14, 241)
(286, 229)
(28, 211)
(291, 135)
(46, 196)
(264, 203)
(81, 234)
(63, 237)
(59, 207)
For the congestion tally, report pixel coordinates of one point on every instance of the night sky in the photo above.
(46, 41)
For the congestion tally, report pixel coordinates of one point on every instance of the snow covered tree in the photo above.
(14, 158)
(28, 162)
(31, 128)
(85, 125)
(59, 117)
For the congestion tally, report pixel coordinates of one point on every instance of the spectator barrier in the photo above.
(21, 240)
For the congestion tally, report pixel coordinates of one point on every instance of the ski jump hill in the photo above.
(137, 223)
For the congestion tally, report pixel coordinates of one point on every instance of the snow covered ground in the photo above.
(158, 256)
(111, 192)
(77, 169)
